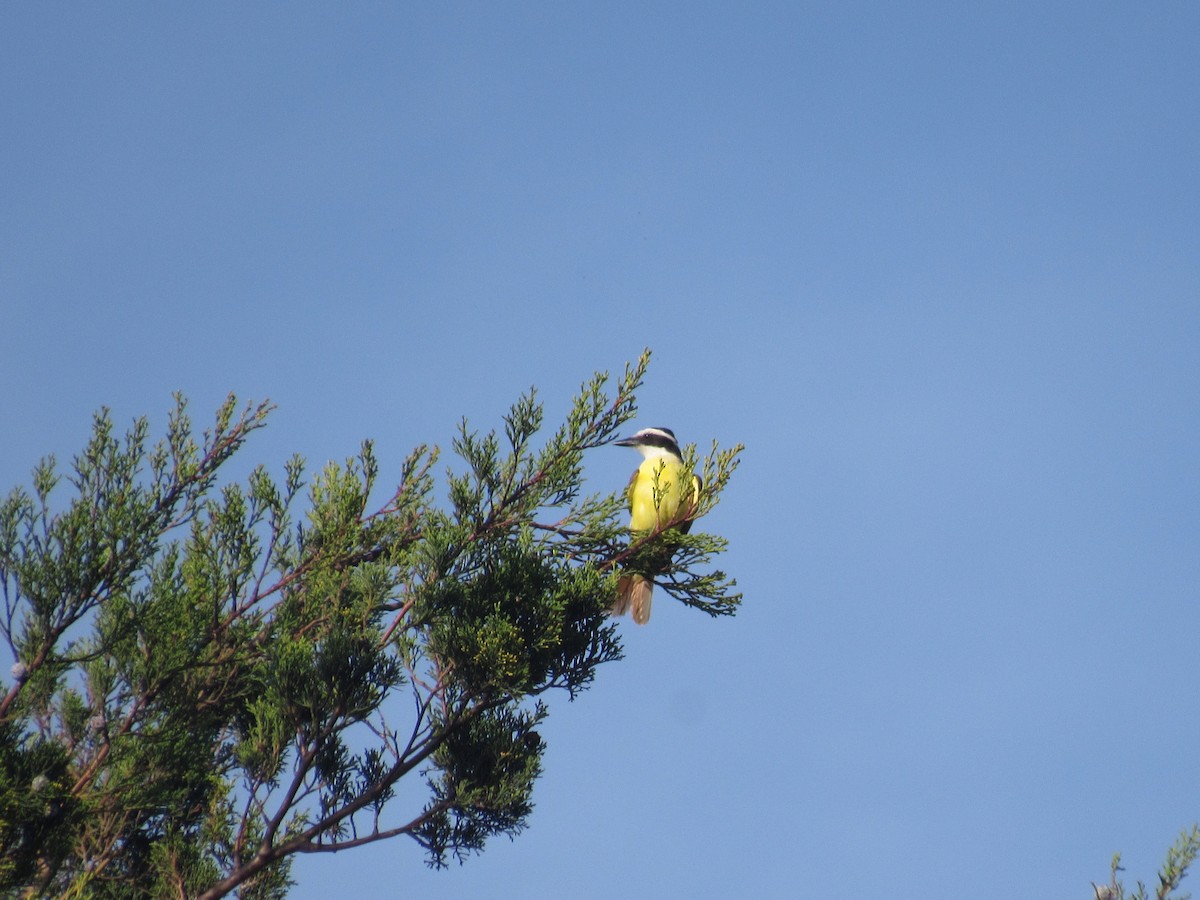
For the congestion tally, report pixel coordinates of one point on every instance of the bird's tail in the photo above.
(634, 594)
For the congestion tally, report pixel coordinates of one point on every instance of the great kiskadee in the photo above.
(662, 494)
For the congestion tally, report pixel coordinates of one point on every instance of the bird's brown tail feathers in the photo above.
(634, 595)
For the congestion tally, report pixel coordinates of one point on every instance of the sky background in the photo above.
(937, 265)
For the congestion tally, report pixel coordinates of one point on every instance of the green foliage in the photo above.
(1179, 858)
(210, 678)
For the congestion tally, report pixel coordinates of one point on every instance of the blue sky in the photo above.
(937, 265)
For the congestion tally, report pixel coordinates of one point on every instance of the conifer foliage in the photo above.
(209, 676)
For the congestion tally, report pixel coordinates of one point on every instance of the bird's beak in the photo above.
(625, 442)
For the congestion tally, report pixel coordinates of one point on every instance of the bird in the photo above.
(662, 494)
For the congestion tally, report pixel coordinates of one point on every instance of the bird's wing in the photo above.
(693, 504)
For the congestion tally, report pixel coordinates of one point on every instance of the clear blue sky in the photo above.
(936, 264)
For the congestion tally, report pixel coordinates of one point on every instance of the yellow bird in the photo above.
(662, 494)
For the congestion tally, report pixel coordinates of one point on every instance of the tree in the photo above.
(1174, 869)
(206, 683)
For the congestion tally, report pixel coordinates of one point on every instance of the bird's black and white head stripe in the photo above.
(660, 438)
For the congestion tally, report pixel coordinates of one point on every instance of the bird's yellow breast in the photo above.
(656, 491)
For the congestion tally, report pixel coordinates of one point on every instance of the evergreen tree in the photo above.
(207, 681)
(1174, 869)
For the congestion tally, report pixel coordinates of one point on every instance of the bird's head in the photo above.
(653, 442)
